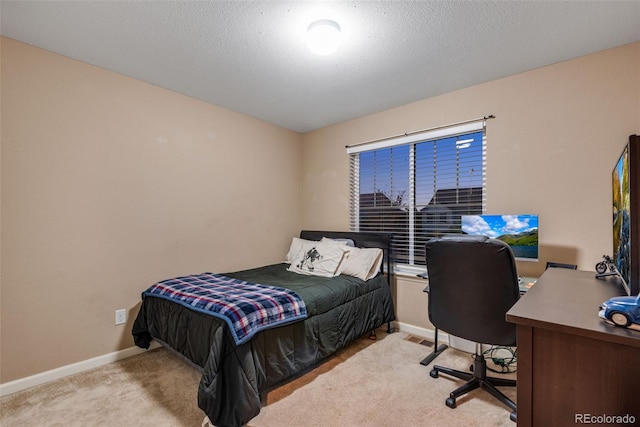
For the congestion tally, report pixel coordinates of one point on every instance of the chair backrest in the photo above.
(473, 282)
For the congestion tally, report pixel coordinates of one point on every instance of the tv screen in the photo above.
(625, 213)
(520, 232)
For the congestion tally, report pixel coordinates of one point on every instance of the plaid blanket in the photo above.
(246, 307)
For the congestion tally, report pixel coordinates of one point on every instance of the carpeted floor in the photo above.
(371, 383)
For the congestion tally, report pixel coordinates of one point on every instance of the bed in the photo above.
(237, 375)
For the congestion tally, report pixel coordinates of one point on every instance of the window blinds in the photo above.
(417, 186)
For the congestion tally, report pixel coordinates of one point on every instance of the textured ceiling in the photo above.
(250, 56)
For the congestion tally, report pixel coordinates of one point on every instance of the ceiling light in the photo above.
(323, 36)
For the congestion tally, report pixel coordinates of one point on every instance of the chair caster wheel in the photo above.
(433, 373)
(513, 417)
(450, 402)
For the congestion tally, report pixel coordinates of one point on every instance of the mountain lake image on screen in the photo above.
(520, 232)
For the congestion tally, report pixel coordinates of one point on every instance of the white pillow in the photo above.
(298, 245)
(321, 259)
(363, 263)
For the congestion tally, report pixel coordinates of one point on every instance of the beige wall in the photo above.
(110, 184)
(551, 149)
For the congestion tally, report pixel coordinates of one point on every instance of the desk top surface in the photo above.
(568, 301)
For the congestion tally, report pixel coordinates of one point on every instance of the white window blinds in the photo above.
(417, 186)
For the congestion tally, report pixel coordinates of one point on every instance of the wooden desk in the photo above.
(571, 363)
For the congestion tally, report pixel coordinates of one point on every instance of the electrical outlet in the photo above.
(121, 316)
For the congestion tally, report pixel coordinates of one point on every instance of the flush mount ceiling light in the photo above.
(323, 36)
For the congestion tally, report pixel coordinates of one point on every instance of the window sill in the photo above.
(409, 272)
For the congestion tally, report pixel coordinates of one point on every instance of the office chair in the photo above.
(472, 284)
(551, 264)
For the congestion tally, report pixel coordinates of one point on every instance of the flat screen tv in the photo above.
(520, 232)
(626, 215)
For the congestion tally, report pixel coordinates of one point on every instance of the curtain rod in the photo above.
(491, 116)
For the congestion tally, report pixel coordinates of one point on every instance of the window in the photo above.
(418, 186)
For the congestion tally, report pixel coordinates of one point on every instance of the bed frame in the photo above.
(237, 378)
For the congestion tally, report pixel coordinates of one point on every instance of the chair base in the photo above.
(435, 353)
(437, 349)
(477, 379)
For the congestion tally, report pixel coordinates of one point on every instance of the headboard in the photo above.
(361, 240)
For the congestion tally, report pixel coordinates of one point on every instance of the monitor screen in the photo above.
(623, 231)
(520, 232)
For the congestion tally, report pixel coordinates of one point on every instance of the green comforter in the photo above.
(236, 378)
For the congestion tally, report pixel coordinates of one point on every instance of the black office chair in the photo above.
(551, 264)
(472, 284)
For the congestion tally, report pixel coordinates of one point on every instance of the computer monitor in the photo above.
(520, 232)
(626, 215)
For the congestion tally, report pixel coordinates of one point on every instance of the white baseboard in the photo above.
(64, 371)
(443, 337)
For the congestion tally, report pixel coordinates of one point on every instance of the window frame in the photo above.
(412, 139)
